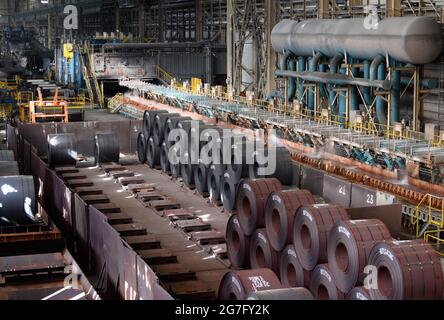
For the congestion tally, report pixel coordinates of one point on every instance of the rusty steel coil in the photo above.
(322, 284)
(149, 117)
(237, 285)
(312, 225)
(284, 166)
(282, 294)
(349, 245)
(252, 196)
(152, 153)
(106, 148)
(358, 293)
(262, 255)
(164, 160)
(238, 244)
(160, 125)
(291, 272)
(61, 150)
(228, 192)
(406, 270)
(141, 147)
(170, 125)
(280, 210)
(201, 178)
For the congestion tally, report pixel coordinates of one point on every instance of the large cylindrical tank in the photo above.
(415, 40)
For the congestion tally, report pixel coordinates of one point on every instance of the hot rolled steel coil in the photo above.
(141, 147)
(312, 226)
(61, 150)
(164, 160)
(170, 125)
(152, 153)
(187, 173)
(358, 293)
(18, 201)
(174, 165)
(282, 294)
(214, 183)
(7, 155)
(201, 178)
(107, 148)
(159, 126)
(291, 272)
(280, 210)
(252, 196)
(349, 245)
(322, 284)
(239, 166)
(284, 166)
(238, 244)
(228, 192)
(9, 168)
(262, 255)
(237, 285)
(406, 270)
(149, 117)
(196, 134)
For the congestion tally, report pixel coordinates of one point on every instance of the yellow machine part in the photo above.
(196, 83)
(68, 51)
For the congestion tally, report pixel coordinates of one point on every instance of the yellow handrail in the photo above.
(431, 238)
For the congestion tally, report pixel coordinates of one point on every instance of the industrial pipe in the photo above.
(415, 40)
(334, 79)
(366, 90)
(381, 104)
(395, 96)
(301, 68)
(313, 67)
(334, 62)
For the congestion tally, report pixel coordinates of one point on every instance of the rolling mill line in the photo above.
(222, 151)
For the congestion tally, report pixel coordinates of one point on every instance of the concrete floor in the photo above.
(209, 270)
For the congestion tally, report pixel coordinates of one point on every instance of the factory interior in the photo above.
(216, 150)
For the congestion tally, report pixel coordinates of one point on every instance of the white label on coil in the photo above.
(292, 253)
(325, 274)
(385, 252)
(308, 215)
(341, 229)
(246, 186)
(262, 237)
(236, 283)
(276, 198)
(360, 296)
(320, 205)
(236, 222)
(258, 282)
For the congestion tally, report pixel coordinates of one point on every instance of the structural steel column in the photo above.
(323, 9)
(230, 43)
(272, 9)
(142, 22)
(199, 20)
(393, 8)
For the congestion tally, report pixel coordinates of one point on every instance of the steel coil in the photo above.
(196, 134)
(141, 147)
(201, 178)
(164, 160)
(291, 272)
(251, 199)
(406, 270)
(228, 192)
(170, 125)
(152, 153)
(18, 201)
(284, 167)
(322, 284)
(214, 183)
(238, 244)
(160, 125)
(262, 255)
(149, 117)
(61, 150)
(358, 293)
(349, 245)
(107, 148)
(282, 294)
(280, 210)
(237, 285)
(187, 173)
(7, 155)
(9, 168)
(239, 166)
(312, 225)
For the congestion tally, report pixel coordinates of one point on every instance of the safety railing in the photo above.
(115, 102)
(433, 237)
(434, 217)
